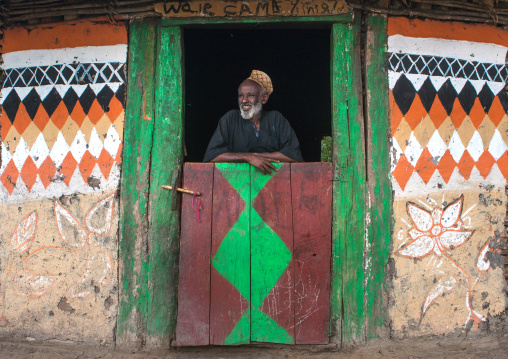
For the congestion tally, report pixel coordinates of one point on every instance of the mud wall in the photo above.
(449, 165)
(61, 133)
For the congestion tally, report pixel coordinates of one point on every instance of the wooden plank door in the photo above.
(195, 247)
(264, 245)
(311, 188)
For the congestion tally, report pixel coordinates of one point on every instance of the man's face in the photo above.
(250, 99)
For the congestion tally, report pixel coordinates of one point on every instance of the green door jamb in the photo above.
(149, 216)
(349, 188)
(362, 191)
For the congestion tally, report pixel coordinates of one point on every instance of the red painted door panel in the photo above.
(195, 246)
(257, 267)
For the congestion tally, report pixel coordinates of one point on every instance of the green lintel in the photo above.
(342, 18)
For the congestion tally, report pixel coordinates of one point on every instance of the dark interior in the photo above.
(297, 61)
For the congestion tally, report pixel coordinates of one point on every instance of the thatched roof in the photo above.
(482, 11)
(33, 12)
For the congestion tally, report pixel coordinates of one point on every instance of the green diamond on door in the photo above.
(269, 258)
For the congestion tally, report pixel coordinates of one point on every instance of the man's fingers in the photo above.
(265, 169)
(263, 164)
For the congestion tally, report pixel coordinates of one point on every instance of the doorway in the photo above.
(218, 60)
(153, 157)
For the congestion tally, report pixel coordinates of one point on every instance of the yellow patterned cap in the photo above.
(263, 79)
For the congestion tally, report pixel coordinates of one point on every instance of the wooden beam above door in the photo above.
(250, 8)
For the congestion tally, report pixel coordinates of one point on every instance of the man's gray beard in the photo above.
(254, 111)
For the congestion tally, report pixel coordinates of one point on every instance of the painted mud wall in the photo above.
(449, 165)
(62, 103)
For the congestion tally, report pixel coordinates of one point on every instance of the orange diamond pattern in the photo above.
(29, 172)
(465, 165)
(424, 167)
(9, 176)
(446, 166)
(485, 163)
(502, 162)
(22, 119)
(47, 171)
(478, 140)
(107, 161)
(86, 165)
(403, 171)
(57, 158)
(67, 168)
(5, 125)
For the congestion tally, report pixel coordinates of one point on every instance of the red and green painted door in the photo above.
(255, 263)
(222, 298)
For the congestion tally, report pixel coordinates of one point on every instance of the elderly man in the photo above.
(252, 135)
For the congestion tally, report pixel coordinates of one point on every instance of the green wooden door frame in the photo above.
(150, 216)
(153, 146)
(362, 195)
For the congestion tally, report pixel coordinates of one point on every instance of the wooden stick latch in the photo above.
(183, 190)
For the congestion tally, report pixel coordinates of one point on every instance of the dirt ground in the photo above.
(492, 347)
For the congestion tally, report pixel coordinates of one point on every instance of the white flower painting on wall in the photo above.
(436, 232)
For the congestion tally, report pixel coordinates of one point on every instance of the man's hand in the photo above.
(258, 160)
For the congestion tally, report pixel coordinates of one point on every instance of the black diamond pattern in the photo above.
(420, 64)
(70, 99)
(503, 98)
(394, 62)
(28, 74)
(404, 94)
(406, 62)
(89, 74)
(467, 96)
(486, 97)
(431, 65)
(120, 94)
(52, 75)
(104, 96)
(444, 67)
(469, 69)
(51, 101)
(32, 102)
(11, 105)
(67, 71)
(106, 71)
(427, 94)
(39, 74)
(481, 72)
(86, 99)
(447, 96)
(456, 69)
